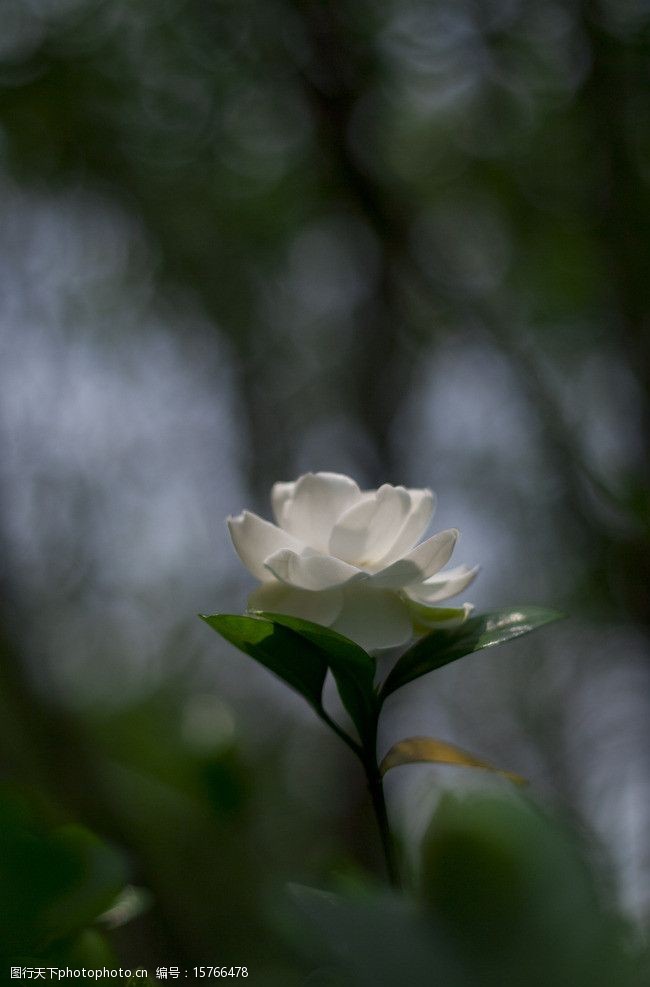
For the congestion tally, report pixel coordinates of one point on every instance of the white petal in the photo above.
(423, 504)
(443, 585)
(368, 529)
(311, 571)
(420, 563)
(255, 539)
(318, 501)
(281, 494)
(375, 619)
(275, 597)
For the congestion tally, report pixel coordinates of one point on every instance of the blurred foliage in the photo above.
(405, 241)
(54, 883)
(505, 898)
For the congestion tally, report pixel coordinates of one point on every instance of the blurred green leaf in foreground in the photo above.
(55, 882)
(505, 899)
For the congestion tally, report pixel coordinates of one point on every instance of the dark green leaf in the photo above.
(511, 889)
(298, 662)
(100, 876)
(443, 646)
(53, 883)
(351, 666)
(375, 939)
(88, 949)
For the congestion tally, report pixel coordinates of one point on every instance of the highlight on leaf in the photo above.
(298, 663)
(429, 750)
(444, 645)
(300, 653)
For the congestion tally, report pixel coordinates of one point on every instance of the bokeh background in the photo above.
(241, 240)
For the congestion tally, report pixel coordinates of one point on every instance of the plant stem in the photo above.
(376, 789)
(352, 744)
(367, 754)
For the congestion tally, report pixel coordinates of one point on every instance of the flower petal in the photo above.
(423, 504)
(443, 585)
(368, 529)
(255, 539)
(420, 563)
(375, 619)
(281, 494)
(318, 501)
(275, 597)
(311, 571)
(426, 619)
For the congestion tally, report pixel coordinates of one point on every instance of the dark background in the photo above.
(406, 241)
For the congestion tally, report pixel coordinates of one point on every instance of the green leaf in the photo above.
(374, 939)
(88, 949)
(352, 668)
(298, 662)
(53, 882)
(510, 887)
(446, 645)
(100, 875)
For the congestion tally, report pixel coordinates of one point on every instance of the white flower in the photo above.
(349, 559)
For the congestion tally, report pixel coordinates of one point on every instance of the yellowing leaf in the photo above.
(417, 750)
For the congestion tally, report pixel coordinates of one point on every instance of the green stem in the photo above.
(376, 789)
(352, 744)
(367, 754)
